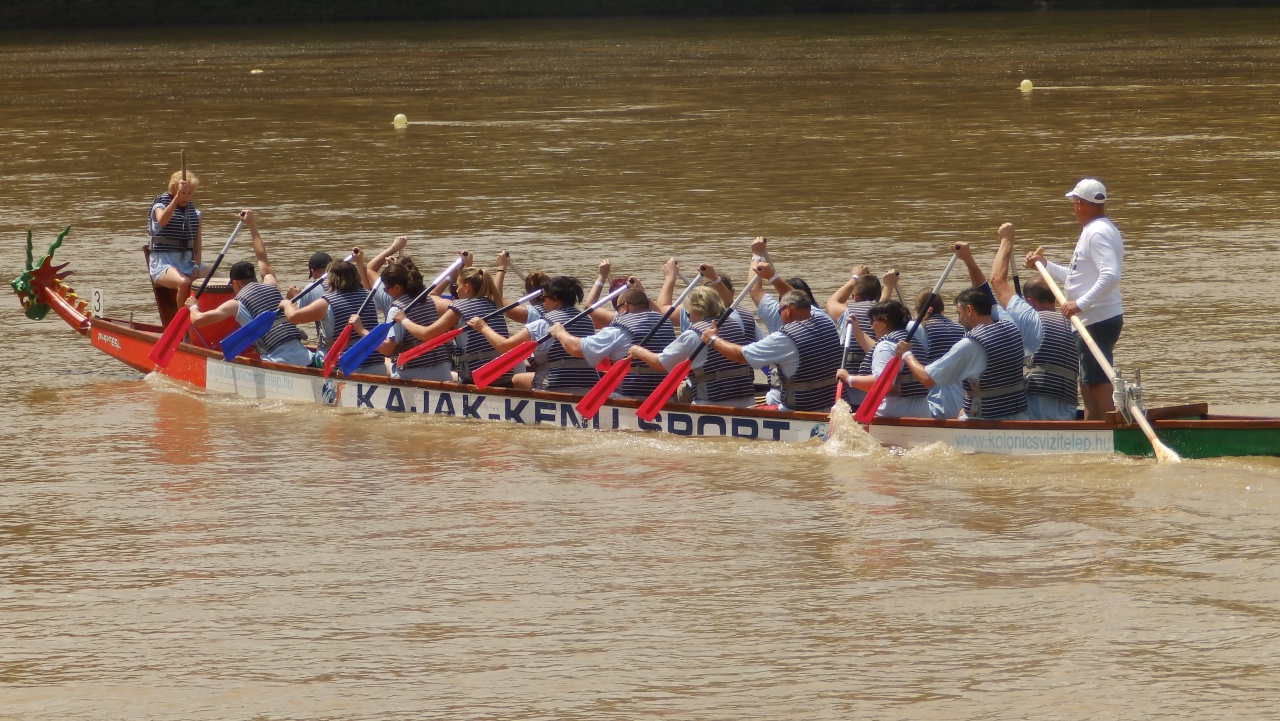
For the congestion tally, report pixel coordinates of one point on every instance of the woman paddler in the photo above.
(554, 369)
(908, 398)
(402, 283)
(174, 227)
(345, 292)
(714, 378)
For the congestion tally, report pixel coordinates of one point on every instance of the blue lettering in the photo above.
(514, 411)
(544, 412)
(394, 401)
(568, 417)
(471, 410)
(426, 401)
(615, 419)
(716, 421)
(680, 424)
(777, 427)
(745, 428)
(445, 400)
(364, 400)
(647, 426)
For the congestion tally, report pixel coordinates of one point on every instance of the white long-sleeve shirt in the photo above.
(1093, 279)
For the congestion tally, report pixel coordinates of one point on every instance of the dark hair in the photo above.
(566, 289)
(633, 296)
(1036, 289)
(242, 270)
(404, 276)
(975, 298)
(803, 287)
(728, 282)
(891, 312)
(343, 277)
(937, 306)
(866, 287)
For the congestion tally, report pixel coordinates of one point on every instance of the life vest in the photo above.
(818, 344)
(943, 333)
(478, 349)
(1054, 369)
(342, 306)
(721, 379)
(563, 370)
(258, 298)
(906, 385)
(854, 356)
(180, 233)
(422, 313)
(1000, 390)
(641, 380)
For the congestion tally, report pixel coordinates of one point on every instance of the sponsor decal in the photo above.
(1010, 442)
(110, 340)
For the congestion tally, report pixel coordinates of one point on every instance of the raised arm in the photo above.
(715, 281)
(838, 302)
(397, 245)
(999, 278)
(965, 254)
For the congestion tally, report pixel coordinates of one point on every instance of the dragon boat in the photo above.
(1189, 429)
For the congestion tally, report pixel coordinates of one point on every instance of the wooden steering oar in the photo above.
(1164, 454)
(603, 388)
(428, 345)
(866, 412)
(648, 410)
(168, 342)
(494, 369)
(356, 354)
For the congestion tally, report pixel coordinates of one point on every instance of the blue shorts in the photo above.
(179, 260)
(1105, 333)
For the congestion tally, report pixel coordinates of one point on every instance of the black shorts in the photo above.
(1105, 333)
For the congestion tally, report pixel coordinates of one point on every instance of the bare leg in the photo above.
(523, 381)
(1097, 400)
(180, 283)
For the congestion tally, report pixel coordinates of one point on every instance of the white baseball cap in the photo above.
(1090, 190)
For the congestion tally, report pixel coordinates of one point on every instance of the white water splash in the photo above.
(845, 436)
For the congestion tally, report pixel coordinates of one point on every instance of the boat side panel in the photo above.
(1205, 442)
(265, 383)
(1009, 442)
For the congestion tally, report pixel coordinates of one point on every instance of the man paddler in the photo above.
(281, 344)
(803, 345)
(988, 361)
(631, 324)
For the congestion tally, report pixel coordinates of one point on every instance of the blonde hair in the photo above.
(482, 283)
(705, 302)
(176, 178)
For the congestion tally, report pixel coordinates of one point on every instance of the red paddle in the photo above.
(443, 338)
(866, 412)
(167, 345)
(603, 388)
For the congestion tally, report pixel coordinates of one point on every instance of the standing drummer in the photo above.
(174, 227)
(1092, 287)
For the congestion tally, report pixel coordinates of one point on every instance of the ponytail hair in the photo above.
(566, 289)
(482, 283)
(403, 275)
(535, 280)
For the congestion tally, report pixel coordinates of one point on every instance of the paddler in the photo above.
(633, 322)
(281, 344)
(988, 361)
(174, 227)
(908, 398)
(1053, 372)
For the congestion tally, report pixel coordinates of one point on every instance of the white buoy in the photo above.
(400, 121)
(1026, 86)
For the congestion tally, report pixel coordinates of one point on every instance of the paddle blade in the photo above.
(658, 398)
(244, 336)
(600, 392)
(427, 345)
(356, 354)
(867, 411)
(331, 356)
(165, 347)
(496, 368)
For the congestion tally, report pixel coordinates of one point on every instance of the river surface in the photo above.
(170, 555)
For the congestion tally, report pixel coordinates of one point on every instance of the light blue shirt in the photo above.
(609, 342)
(681, 348)
(967, 359)
(896, 406)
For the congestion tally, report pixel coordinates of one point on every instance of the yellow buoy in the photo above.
(1026, 86)
(400, 121)
(255, 71)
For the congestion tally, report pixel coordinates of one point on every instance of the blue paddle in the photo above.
(351, 359)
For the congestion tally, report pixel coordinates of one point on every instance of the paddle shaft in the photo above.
(667, 316)
(617, 292)
(434, 284)
(1163, 452)
(218, 261)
